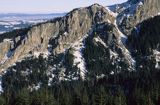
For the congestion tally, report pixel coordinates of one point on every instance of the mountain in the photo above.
(83, 39)
(116, 47)
(63, 36)
(133, 12)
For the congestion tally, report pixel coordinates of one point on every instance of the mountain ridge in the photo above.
(34, 28)
(91, 56)
(86, 42)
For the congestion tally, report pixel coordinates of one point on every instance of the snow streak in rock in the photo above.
(79, 60)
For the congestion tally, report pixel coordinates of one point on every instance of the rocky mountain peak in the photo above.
(73, 38)
(52, 37)
(87, 44)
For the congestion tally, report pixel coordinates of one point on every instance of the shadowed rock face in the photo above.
(56, 35)
(144, 42)
(146, 37)
(135, 11)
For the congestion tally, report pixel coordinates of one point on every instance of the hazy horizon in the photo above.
(48, 6)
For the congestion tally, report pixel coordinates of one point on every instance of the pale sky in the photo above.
(48, 6)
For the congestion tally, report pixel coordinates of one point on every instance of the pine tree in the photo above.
(100, 97)
(23, 98)
(85, 98)
(121, 97)
(2, 100)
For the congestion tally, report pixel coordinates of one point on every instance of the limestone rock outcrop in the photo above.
(54, 36)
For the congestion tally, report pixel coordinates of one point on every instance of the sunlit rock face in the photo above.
(52, 37)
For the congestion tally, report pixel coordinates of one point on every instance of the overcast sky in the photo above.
(48, 6)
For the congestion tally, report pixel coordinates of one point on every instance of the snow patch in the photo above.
(65, 33)
(112, 72)
(1, 89)
(34, 21)
(156, 52)
(62, 74)
(44, 54)
(140, 3)
(123, 38)
(7, 40)
(8, 26)
(157, 56)
(110, 12)
(50, 81)
(4, 23)
(25, 73)
(15, 22)
(35, 87)
(113, 54)
(100, 76)
(78, 56)
(129, 58)
(98, 39)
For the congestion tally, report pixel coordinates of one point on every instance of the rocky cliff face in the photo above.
(133, 12)
(75, 44)
(144, 42)
(53, 37)
(84, 43)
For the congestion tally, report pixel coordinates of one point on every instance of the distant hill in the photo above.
(11, 21)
